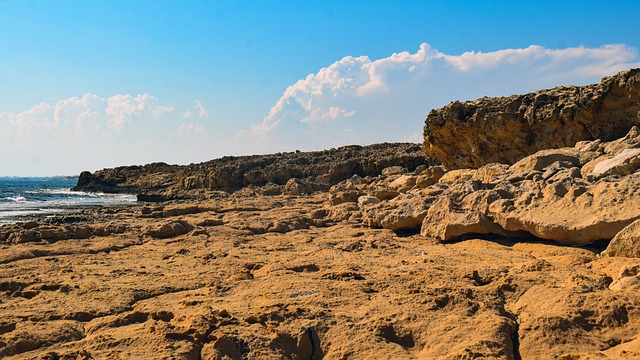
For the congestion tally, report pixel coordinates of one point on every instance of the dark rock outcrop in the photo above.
(506, 129)
(160, 181)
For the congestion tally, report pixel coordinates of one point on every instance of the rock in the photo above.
(443, 222)
(626, 243)
(170, 229)
(177, 210)
(161, 182)
(221, 349)
(404, 183)
(309, 346)
(457, 176)
(506, 129)
(543, 159)
(627, 279)
(297, 187)
(345, 196)
(367, 200)
(393, 170)
(626, 162)
(386, 194)
(573, 212)
(430, 176)
(405, 212)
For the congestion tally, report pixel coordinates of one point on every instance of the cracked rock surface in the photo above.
(264, 277)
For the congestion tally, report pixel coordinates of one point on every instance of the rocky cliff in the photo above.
(504, 130)
(319, 168)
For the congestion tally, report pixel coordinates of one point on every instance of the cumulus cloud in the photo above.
(89, 132)
(387, 99)
(88, 115)
(121, 108)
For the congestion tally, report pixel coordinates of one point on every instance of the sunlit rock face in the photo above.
(506, 129)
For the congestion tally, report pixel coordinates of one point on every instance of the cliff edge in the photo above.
(505, 129)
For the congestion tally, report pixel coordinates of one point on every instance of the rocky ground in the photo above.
(536, 258)
(266, 277)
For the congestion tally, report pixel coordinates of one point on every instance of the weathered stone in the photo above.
(393, 170)
(367, 200)
(504, 130)
(626, 162)
(297, 187)
(430, 176)
(626, 243)
(404, 183)
(170, 229)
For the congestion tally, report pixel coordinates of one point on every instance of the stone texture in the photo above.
(334, 291)
(230, 173)
(506, 129)
(627, 242)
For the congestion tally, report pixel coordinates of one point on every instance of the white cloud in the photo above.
(187, 114)
(202, 110)
(188, 130)
(387, 99)
(121, 108)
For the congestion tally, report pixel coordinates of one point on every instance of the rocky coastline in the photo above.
(513, 233)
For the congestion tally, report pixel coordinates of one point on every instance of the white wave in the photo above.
(18, 198)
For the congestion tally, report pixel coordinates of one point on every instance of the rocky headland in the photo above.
(512, 234)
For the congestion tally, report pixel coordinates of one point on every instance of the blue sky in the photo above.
(93, 84)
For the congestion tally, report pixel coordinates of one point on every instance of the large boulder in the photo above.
(506, 129)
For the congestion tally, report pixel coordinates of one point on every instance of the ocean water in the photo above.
(26, 198)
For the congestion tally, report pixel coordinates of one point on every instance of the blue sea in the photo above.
(23, 198)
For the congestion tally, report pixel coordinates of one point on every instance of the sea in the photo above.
(26, 198)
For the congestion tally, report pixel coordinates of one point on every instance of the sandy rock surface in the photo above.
(275, 277)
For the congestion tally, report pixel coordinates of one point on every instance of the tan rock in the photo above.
(430, 176)
(626, 243)
(404, 183)
(624, 163)
(457, 176)
(506, 129)
(444, 222)
(572, 213)
(393, 170)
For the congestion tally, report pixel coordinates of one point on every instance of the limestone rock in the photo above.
(626, 162)
(504, 130)
(430, 176)
(160, 181)
(170, 229)
(627, 242)
(404, 183)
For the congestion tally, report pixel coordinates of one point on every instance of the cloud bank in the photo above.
(69, 135)
(359, 100)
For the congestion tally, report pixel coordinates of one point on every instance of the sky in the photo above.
(86, 85)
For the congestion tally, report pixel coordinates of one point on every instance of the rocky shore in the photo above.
(518, 242)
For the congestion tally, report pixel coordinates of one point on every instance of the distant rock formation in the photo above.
(319, 170)
(506, 129)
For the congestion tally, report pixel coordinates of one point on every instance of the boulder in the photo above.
(626, 243)
(506, 129)
(430, 176)
(404, 183)
(624, 163)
